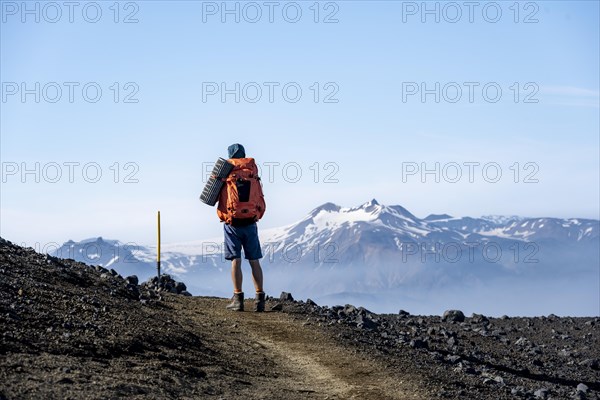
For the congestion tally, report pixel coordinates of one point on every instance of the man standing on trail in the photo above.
(241, 205)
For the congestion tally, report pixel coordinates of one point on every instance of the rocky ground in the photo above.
(74, 331)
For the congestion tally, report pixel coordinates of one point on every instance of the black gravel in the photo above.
(479, 357)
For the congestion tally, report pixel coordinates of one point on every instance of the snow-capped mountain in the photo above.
(124, 257)
(374, 248)
(529, 229)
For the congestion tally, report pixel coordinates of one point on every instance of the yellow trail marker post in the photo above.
(158, 247)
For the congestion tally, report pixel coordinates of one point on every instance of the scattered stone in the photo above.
(522, 342)
(453, 316)
(518, 391)
(364, 311)
(163, 284)
(180, 287)
(277, 307)
(535, 350)
(590, 363)
(479, 318)
(582, 388)
(285, 296)
(565, 353)
(349, 309)
(453, 359)
(364, 322)
(132, 280)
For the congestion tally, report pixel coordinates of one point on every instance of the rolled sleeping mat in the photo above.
(212, 189)
(222, 168)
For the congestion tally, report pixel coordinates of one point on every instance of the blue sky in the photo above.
(370, 134)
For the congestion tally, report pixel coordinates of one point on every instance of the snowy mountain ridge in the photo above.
(337, 252)
(330, 223)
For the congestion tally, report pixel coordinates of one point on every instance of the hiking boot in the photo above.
(259, 302)
(238, 302)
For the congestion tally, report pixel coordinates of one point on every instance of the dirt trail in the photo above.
(308, 364)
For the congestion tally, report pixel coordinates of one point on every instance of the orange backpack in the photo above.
(241, 198)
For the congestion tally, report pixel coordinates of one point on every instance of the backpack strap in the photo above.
(218, 179)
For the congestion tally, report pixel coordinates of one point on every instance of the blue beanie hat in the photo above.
(236, 150)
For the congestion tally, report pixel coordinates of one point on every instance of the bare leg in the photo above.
(236, 274)
(257, 275)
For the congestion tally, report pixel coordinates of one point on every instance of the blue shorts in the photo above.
(237, 237)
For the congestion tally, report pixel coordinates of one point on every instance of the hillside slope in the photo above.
(72, 331)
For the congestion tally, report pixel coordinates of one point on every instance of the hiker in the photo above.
(241, 205)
